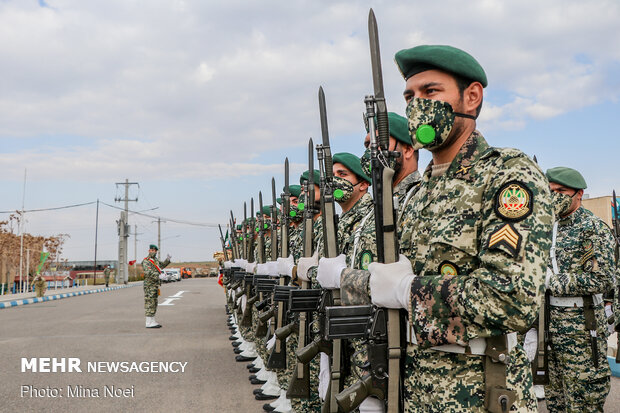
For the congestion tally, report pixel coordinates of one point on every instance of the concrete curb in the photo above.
(15, 303)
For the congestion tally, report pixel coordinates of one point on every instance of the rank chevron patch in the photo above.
(508, 237)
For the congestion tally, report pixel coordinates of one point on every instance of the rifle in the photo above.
(233, 237)
(330, 243)
(250, 232)
(386, 385)
(274, 221)
(223, 243)
(244, 230)
(304, 299)
(261, 230)
(277, 358)
(540, 364)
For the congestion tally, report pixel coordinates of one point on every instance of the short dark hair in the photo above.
(463, 83)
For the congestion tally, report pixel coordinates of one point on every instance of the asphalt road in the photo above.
(109, 327)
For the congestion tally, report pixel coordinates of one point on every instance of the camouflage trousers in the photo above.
(437, 381)
(151, 285)
(575, 384)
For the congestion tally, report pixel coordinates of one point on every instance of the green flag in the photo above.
(44, 256)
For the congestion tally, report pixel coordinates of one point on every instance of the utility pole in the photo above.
(123, 233)
(159, 221)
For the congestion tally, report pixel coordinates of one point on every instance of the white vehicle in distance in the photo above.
(164, 277)
(174, 274)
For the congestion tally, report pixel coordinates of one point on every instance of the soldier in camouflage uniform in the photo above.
(582, 271)
(106, 275)
(359, 246)
(152, 268)
(474, 243)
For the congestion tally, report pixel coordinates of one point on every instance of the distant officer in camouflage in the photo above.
(582, 271)
(474, 243)
(152, 268)
(39, 285)
(106, 275)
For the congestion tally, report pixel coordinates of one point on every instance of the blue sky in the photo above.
(201, 101)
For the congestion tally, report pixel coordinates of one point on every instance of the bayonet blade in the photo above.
(286, 188)
(377, 80)
(329, 170)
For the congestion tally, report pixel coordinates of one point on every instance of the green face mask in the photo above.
(561, 204)
(431, 121)
(343, 189)
(365, 162)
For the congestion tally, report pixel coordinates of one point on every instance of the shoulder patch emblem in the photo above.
(513, 201)
(365, 259)
(508, 237)
(448, 268)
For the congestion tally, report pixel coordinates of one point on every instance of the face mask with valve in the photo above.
(431, 121)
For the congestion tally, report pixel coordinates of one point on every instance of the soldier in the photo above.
(106, 275)
(39, 285)
(582, 265)
(360, 246)
(152, 268)
(474, 240)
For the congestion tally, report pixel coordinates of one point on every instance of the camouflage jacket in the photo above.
(149, 265)
(296, 241)
(585, 261)
(350, 221)
(362, 252)
(478, 238)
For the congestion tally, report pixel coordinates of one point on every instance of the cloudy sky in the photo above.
(200, 101)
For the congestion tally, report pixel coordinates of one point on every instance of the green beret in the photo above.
(567, 177)
(239, 227)
(153, 247)
(295, 190)
(266, 209)
(399, 128)
(447, 58)
(352, 162)
(304, 177)
(279, 201)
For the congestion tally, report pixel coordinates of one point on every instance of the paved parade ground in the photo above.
(106, 327)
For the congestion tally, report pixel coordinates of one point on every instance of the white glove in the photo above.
(271, 342)
(240, 262)
(372, 405)
(548, 277)
(323, 376)
(227, 264)
(272, 268)
(530, 344)
(168, 257)
(304, 264)
(390, 284)
(244, 302)
(250, 267)
(262, 269)
(328, 274)
(608, 313)
(285, 266)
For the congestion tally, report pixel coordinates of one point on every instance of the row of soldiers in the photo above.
(420, 297)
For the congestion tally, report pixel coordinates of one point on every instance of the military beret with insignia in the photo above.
(567, 177)
(153, 247)
(447, 58)
(304, 177)
(352, 162)
(295, 190)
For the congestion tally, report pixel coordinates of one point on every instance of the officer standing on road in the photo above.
(474, 243)
(106, 275)
(39, 285)
(582, 264)
(152, 268)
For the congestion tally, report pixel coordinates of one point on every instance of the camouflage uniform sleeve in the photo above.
(354, 287)
(503, 293)
(595, 274)
(149, 269)
(164, 264)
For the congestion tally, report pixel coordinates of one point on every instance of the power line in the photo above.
(178, 221)
(49, 209)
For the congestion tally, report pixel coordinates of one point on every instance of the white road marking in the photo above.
(179, 294)
(169, 301)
